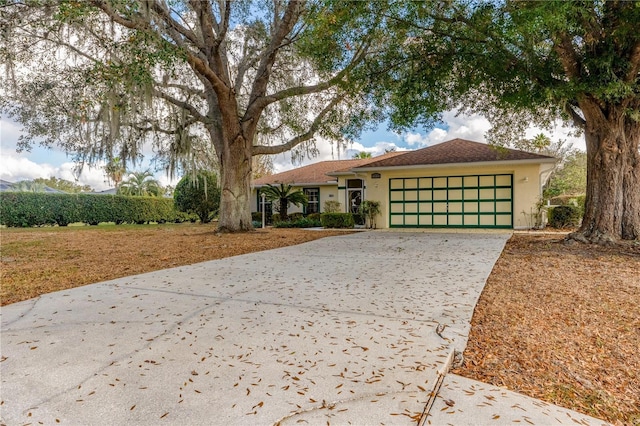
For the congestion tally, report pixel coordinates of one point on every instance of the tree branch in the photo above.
(317, 122)
(634, 60)
(263, 74)
(567, 55)
(183, 105)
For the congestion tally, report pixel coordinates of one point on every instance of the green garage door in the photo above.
(479, 201)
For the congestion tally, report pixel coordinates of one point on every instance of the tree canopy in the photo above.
(529, 62)
(63, 185)
(202, 82)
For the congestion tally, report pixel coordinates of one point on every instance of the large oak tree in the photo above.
(196, 79)
(525, 62)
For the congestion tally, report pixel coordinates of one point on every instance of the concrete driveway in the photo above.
(350, 329)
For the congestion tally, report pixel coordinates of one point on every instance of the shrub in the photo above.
(358, 218)
(314, 216)
(256, 224)
(37, 209)
(332, 206)
(198, 194)
(564, 216)
(275, 217)
(296, 216)
(337, 220)
(369, 210)
(303, 222)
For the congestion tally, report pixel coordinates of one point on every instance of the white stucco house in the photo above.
(454, 184)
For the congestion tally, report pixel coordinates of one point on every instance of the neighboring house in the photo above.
(458, 183)
(15, 187)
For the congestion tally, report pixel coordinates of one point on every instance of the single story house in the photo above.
(458, 183)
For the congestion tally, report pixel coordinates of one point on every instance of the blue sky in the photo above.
(41, 162)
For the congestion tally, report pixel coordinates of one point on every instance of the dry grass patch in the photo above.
(43, 260)
(561, 322)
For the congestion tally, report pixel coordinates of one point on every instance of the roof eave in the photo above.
(467, 164)
(327, 183)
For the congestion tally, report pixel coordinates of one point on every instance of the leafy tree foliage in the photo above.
(362, 155)
(63, 185)
(141, 184)
(198, 193)
(570, 178)
(285, 195)
(528, 62)
(28, 186)
(204, 82)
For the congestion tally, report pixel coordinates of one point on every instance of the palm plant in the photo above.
(370, 209)
(285, 195)
(115, 170)
(140, 184)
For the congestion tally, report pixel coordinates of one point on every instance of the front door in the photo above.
(354, 195)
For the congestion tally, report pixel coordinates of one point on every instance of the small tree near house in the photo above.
(199, 194)
(284, 195)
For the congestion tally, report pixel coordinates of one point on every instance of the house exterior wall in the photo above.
(327, 192)
(526, 187)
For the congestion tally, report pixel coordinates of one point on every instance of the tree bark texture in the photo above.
(235, 180)
(612, 205)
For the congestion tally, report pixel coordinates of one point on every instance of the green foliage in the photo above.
(302, 222)
(331, 206)
(362, 155)
(314, 216)
(564, 216)
(337, 220)
(22, 209)
(570, 178)
(199, 194)
(63, 185)
(141, 184)
(370, 209)
(28, 186)
(284, 195)
(296, 216)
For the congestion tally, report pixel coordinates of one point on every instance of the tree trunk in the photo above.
(612, 206)
(235, 181)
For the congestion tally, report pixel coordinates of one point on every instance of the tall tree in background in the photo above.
(63, 185)
(115, 170)
(102, 78)
(532, 62)
(362, 155)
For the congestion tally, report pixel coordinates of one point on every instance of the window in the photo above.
(313, 198)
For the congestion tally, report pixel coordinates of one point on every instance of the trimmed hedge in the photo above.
(303, 222)
(25, 209)
(337, 220)
(564, 216)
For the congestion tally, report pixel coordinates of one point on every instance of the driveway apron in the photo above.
(349, 329)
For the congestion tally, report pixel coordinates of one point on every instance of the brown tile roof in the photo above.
(455, 151)
(317, 172)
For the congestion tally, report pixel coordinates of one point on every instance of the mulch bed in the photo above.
(42, 260)
(561, 322)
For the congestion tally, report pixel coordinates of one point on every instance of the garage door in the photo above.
(478, 201)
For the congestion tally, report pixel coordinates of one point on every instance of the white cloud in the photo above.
(415, 139)
(16, 167)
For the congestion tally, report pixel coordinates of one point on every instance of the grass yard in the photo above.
(556, 321)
